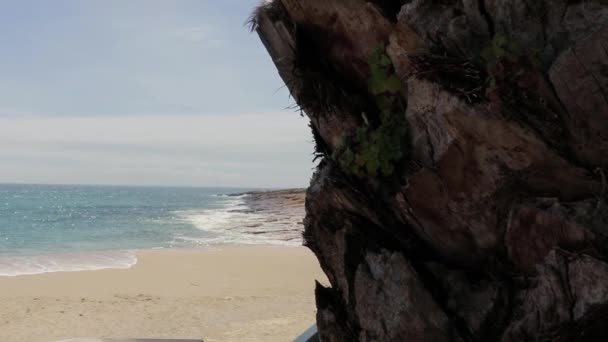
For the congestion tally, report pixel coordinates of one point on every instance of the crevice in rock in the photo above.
(595, 80)
(339, 327)
(605, 50)
(590, 328)
(481, 5)
(430, 144)
(568, 287)
(390, 8)
(563, 14)
(499, 318)
(460, 331)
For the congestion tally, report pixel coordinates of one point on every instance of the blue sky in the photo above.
(91, 91)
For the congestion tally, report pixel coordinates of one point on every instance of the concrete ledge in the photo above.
(310, 335)
(128, 340)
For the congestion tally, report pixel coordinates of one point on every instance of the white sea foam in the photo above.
(11, 266)
(236, 223)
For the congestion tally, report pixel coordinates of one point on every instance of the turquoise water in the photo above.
(49, 228)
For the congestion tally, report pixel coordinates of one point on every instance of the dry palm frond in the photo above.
(321, 148)
(271, 8)
(457, 75)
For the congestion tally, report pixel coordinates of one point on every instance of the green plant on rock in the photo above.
(382, 78)
(498, 48)
(377, 148)
(501, 48)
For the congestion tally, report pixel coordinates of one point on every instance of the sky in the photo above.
(144, 92)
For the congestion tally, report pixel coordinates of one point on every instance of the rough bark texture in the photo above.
(493, 225)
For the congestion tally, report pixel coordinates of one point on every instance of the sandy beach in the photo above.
(228, 293)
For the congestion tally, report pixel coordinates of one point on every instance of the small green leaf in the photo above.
(499, 40)
(393, 84)
(372, 167)
(385, 61)
(488, 53)
(375, 87)
(387, 169)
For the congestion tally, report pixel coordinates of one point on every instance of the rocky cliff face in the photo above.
(461, 194)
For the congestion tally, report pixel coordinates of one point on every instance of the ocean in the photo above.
(51, 228)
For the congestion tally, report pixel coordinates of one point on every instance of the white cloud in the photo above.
(240, 129)
(260, 150)
(76, 79)
(204, 35)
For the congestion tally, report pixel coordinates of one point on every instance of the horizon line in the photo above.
(156, 186)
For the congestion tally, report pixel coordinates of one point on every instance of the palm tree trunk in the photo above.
(461, 194)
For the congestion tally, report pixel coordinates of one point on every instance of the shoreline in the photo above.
(219, 293)
(128, 253)
(260, 218)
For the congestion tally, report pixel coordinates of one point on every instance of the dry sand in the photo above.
(219, 294)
